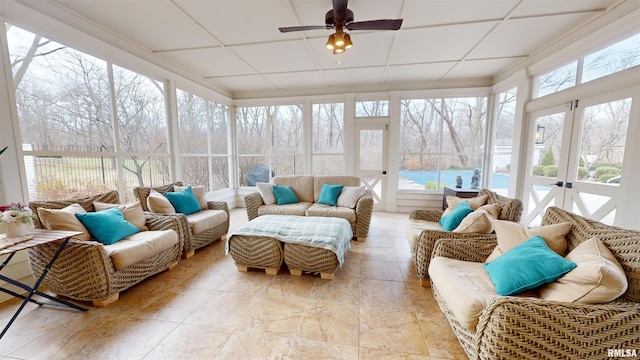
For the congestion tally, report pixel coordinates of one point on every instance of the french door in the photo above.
(371, 160)
(575, 157)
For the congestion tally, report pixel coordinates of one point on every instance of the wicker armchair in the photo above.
(510, 210)
(84, 270)
(192, 241)
(513, 327)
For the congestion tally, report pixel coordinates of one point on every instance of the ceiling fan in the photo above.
(340, 18)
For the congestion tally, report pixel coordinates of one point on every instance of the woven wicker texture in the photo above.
(510, 210)
(311, 259)
(256, 251)
(529, 328)
(360, 228)
(84, 271)
(191, 241)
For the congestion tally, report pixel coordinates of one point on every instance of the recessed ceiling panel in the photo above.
(454, 11)
(354, 76)
(236, 22)
(369, 49)
(437, 44)
(417, 72)
(525, 36)
(209, 62)
(293, 80)
(292, 55)
(480, 68)
(156, 25)
(243, 83)
(543, 7)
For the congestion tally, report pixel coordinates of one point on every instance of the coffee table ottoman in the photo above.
(307, 244)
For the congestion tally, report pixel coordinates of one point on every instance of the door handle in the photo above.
(568, 185)
(558, 183)
(384, 172)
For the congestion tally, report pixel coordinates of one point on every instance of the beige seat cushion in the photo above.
(288, 209)
(599, 278)
(159, 204)
(332, 211)
(198, 191)
(414, 228)
(132, 212)
(478, 221)
(204, 220)
(510, 234)
(64, 219)
(465, 287)
(140, 246)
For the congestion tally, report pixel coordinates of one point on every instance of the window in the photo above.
(270, 142)
(503, 141)
(64, 106)
(556, 80)
(440, 139)
(203, 129)
(620, 56)
(328, 139)
(372, 108)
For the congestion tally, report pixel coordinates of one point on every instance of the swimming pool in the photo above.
(498, 181)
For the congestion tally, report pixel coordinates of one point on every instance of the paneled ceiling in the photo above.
(235, 45)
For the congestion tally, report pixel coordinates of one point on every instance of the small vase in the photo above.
(16, 229)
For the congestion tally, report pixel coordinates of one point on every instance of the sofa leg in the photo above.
(172, 265)
(188, 254)
(105, 302)
(326, 276)
(272, 271)
(362, 238)
(425, 282)
(242, 268)
(295, 272)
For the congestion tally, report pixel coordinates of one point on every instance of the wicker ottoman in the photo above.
(259, 252)
(301, 258)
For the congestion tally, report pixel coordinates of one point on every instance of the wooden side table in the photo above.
(461, 193)
(34, 238)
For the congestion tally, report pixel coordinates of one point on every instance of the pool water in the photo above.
(498, 181)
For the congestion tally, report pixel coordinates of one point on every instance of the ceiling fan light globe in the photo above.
(339, 37)
(331, 42)
(347, 41)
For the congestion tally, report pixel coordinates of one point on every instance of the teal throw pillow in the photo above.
(329, 194)
(284, 195)
(185, 202)
(107, 226)
(527, 266)
(454, 218)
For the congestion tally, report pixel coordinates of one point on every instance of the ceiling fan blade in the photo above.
(303, 28)
(383, 24)
(339, 11)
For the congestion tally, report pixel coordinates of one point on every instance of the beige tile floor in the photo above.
(374, 308)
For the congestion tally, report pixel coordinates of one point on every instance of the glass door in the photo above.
(576, 157)
(371, 161)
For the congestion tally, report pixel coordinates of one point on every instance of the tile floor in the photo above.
(374, 308)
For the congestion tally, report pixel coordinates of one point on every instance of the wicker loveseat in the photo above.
(86, 271)
(510, 210)
(528, 327)
(308, 189)
(216, 228)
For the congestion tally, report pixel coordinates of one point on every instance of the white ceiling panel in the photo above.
(236, 44)
(165, 27)
(508, 39)
(281, 56)
(437, 44)
(209, 62)
(479, 68)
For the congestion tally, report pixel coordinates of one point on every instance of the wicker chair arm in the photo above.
(364, 209)
(218, 205)
(252, 202)
(426, 215)
(523, 328)
(176, 222)
(83, 267)
(461, 246)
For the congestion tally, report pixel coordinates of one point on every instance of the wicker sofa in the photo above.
(528, 327)
(85, 270)
(217, 229)
(510, 210)
(307, 189)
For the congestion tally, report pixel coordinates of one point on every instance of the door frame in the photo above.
(379, 184)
